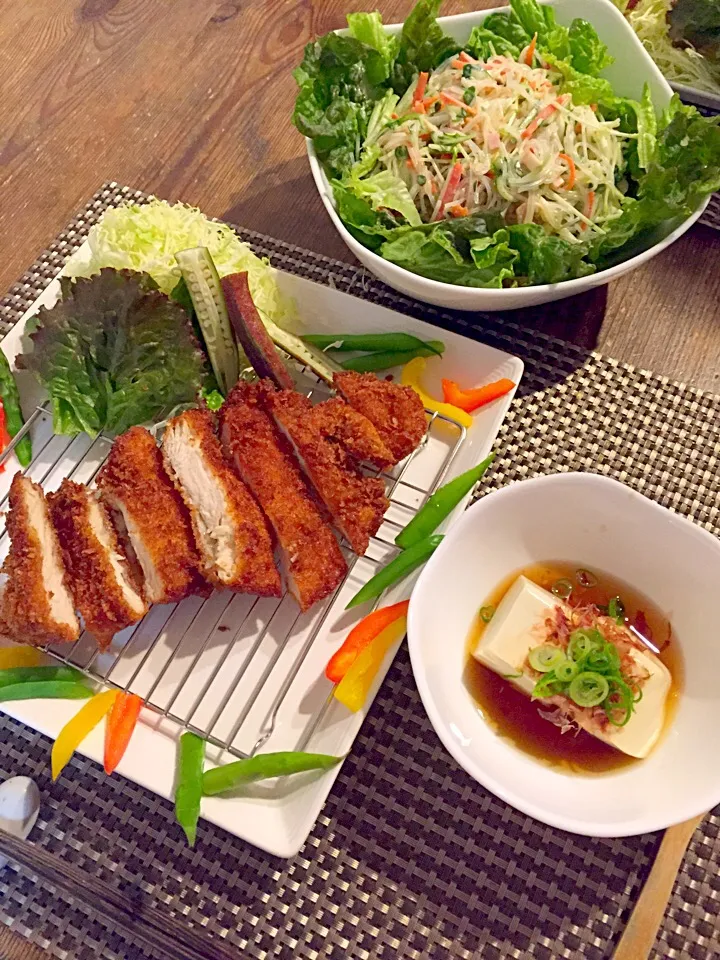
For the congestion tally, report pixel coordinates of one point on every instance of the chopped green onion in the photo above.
(469, 95)
(545, 658)
(620, 702)
(546, 686)
(562, 588)
(588, 689)
(511, 676)
(422, 179)
(467, 71)
(582, 643)
(401, 153)
(604, 660)
(487, 613)
(585, 578)
(566, 671)
(616, 609)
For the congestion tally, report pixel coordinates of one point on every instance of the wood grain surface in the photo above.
(191, 99)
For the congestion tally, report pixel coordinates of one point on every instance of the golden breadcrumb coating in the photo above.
(134, 482)
(230, 530)
(356, 503)
(265, 461)
(396, 411)
(93, 580)
(26, 608)
(339, 421)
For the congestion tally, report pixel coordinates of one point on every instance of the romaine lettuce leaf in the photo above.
(384, 190)
(146, 236)
(114, 352)
(368, 29)
(340, 80)
(587, 51)
(483, 44)
(433, 254)
(423, 44)
(544, 258)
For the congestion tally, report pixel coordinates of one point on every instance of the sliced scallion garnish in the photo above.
(487, 613)
(545, 658)
(588, 689)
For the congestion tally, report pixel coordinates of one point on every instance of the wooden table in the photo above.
(191, 99)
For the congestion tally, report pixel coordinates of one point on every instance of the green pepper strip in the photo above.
(14, 675)
(263, 767)
(13, 411)
(188, 792)
(373, 342)
(399, 567)
(46, 690)
(370, 362)
(440, 505)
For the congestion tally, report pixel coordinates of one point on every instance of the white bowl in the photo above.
(633, 67)
(601, 524)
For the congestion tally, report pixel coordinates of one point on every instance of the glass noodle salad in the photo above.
(497, 137)
(508, 160)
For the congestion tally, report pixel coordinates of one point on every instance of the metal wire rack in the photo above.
(208, 664)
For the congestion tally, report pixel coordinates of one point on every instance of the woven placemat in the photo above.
(410, 857)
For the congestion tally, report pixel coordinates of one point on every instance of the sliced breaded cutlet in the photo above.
(133, 482)
(96, 569)
(356, 503)
(36, 606)
(339, 421)
(311, 556)
(230, 530)
(395, 411)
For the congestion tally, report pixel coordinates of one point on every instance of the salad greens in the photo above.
(146, 236)
(356, 90)
(114, 352)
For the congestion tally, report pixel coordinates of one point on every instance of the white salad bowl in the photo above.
(603, 525)
(632, 69)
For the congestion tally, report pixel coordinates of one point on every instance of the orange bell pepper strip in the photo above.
(20, 657)
(75, 731)
(477, 397)
(360, 636)
(353, 689)
(410, 377)
(120, 726)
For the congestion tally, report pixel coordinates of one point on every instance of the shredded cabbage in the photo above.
(146, 237)
(681, 65)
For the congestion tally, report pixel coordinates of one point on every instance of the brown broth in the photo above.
(515, 716)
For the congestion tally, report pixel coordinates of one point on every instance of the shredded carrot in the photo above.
(457, 64)
(454, 102)
(420, 89)
(593, 107)
(531, 51)
(466, 58)
(589, 207)
(459, 211)
(430, 101)
(570, 183)
(393, 116)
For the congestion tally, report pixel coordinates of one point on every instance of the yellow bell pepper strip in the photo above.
(188, 787)
(360, 636)
(410, 377)
(477, 397)
(75, 731)
(353, 689)
(20, 657)
(119, 728)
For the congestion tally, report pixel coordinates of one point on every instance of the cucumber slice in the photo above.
(203, 283)
(304, 353)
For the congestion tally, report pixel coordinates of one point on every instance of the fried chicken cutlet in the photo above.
(36, 606)
(133, 482)
(97, 573)
(395, 411)
(264, 459)
(339, 421)
(230, 530)
(356, 503)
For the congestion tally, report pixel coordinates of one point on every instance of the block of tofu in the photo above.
(518, 626)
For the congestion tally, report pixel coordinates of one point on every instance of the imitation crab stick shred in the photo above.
(453, 181)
